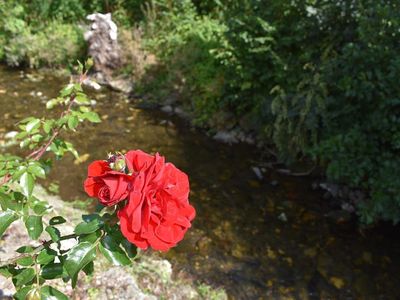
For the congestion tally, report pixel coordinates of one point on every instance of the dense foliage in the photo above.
(26, 40)
(313, 78)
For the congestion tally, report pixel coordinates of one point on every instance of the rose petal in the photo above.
(132, 237)
(98, 168)
(137, 160)
(118, 186)
(154, 241)
(92, 187)
(176, 183)
(169, 233)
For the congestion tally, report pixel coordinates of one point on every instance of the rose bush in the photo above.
(157, 212)
(144, 202)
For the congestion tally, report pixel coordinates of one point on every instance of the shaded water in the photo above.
(238, 241)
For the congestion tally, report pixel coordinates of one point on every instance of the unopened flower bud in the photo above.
(120, 164)
(117, 162)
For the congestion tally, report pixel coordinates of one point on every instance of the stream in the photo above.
(255, 239)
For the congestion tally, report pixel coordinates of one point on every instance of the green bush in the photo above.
(183, 42)
(314, 78)
(68, 41)
(50, 43)
(57, 45)
(321, 79)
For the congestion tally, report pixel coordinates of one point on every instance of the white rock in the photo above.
(225, 137)
(93, 84)
(167, 109)
(258, 172)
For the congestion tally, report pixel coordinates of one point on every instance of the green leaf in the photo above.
(70, 148)
(51, 103)
(45, 256)
(73, 122)
(89, 63)
(91, 238)
(34, 225)
(25, 261)
(25, 249)
(84, 109)
(50, 293)
(33, 124)
(82, 99)
(48, 125)
(21, 170)
(130, 249)
(54, 233)
(5, 272)
(92, 117)
(21, 135)
(21, 294)
(66, 91)
(89, 226)
(9, 201)
(80, 67)
(26, 120)
(24, 277)
(113, 252)
(91, 217)
(114, 230)
(27, 183)
(52, 271)
(89, 268)
(24, 143)
(78, 257)
(40, 207)
(6, 218)
(37, 138)
(78, 87)
(57, 220)
(37, 170)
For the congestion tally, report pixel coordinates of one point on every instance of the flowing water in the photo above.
(255, 240)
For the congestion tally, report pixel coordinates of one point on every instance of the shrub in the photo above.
(313, 78)
(182, 41)
(55, 46)
(321, 79)
(51, 44)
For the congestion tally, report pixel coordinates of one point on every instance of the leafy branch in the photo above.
(32, 267)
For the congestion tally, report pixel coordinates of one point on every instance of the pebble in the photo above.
(167, 109)
(282, 217)
(225, 137)
(258, 172)
(274, 183)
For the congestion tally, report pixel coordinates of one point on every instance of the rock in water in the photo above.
(103, 44)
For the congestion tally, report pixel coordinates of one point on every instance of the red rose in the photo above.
(158, 212)
(109, 186)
